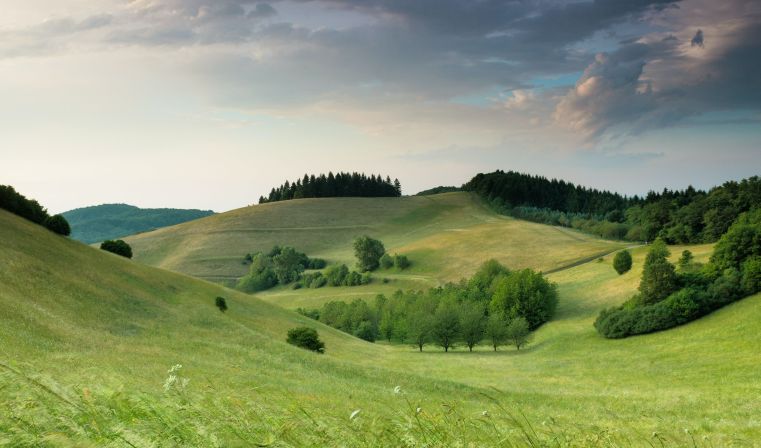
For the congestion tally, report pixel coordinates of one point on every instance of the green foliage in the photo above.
(472, 323)
(751, 275)
(686, 259)
(446, 326)
(742, 241)
(288, 265)
(495, 330)
(336, 274)
(221, 303)
(57, 224)
(307, 338)
(401, 262)
(110, 221)
(622, 261)
(518, 332)
(368, 252)
(118, 247)
(734, 272)
(30, 209)
(524, 294)
(366, 331)
(659, 278)
(679, 217)
(439, 190)
(386, 261)
(418, 326)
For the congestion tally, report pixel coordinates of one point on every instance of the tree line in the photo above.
(496, 304)
(335, 185)
(18, 204)
(677, 216)
(669, 296)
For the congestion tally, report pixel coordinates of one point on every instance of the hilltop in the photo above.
(446, 236)
(108, 221)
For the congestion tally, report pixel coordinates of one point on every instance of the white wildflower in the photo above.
(398, 390)
(485, 413)
(418, 410)
(354, 414)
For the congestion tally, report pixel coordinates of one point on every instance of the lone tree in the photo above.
(401, 261)
(221, 303)
(419, 326)
(386, 261)
(472, 324)
(659, 277)
(496, 331)
(446, 326)
(622, 262)
(518, 333)
(368, 252)
(58, 224)
(118, 247)
(307, 338)
(686, 259)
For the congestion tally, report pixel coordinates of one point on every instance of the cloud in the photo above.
(663, 78)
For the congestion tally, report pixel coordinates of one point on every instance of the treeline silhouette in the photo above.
(335, 185)
(676, 216)
(18, 204)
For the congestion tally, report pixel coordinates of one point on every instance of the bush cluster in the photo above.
(281, 265)
(118, 247)
(306, 338)
(668, 298)
(496, 304)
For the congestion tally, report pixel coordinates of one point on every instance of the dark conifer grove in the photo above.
(335, 185)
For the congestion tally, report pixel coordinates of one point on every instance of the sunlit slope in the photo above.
(446, 236)
(84, 316)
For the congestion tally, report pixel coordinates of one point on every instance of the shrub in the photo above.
(366, 331)
(306, 338)
(354, 278)
(257, 281)
(221, 303)
(386, 262)
(316, 263)
(401, 261)
(58, 224)
(622, 262)
(118, 247)
(336, 274)
(368, 252)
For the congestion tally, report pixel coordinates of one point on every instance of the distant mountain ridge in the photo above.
(107, 221)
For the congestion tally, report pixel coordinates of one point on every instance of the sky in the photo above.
(210, 103)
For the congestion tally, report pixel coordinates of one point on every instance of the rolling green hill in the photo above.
(446, 237)
(109, 221)
(86, 339)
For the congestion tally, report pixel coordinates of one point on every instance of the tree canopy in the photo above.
(335, 185)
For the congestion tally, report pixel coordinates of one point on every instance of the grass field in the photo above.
(86, 339)
(446, 237)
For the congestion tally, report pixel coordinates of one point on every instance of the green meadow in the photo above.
(87, 339)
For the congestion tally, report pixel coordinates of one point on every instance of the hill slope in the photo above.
(109, 221)
(86, 338)
(446, 237)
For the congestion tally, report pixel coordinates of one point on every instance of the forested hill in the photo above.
(108, 221)
(679, 217)
(333, 186)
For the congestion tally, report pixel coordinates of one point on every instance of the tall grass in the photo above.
(36, 411)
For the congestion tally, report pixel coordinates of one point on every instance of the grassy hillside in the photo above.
(446, 236)
(87, 338)
(109, 221)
